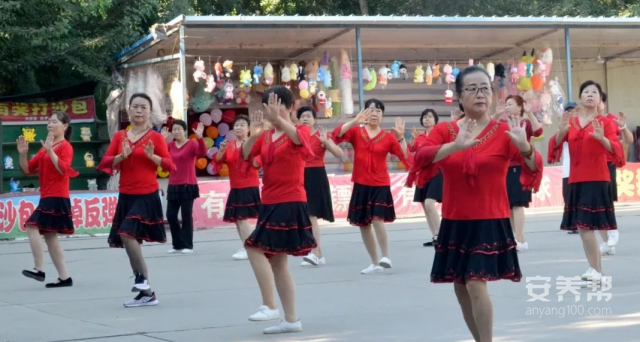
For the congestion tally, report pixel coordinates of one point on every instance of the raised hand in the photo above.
(23, 145)
(563, 126)
(223, 146)
(517, 133)
(272, 107)
(199, 130)
(257, 123)
(598, 130)
(363, 117)
(323, 134)
(398, 129)
(414, 133)
(527, 108)
(500, 108)
(126, 149)
(456, 114)
(464, 139)
(622, 119)
(166, 134)
(149, 149)
(48, 143)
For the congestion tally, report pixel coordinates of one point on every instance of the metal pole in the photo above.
(359, 57)
(183, 72)
(567, 53)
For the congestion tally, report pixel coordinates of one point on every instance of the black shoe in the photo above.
(430, 243)
(38, 275)
(141, 284)
(61, 283)
(573, 232)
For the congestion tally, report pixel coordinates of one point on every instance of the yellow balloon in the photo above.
(161, 173)
(304, 93)
(208, 141)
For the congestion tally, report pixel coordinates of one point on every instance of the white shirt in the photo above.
(565, 160)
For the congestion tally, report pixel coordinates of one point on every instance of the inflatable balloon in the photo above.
(224, 171)
(161, 173)
(212, 132)
(219, 140)
(206, 119)
(201, 163)
(212, 152)
(228, 115)
(209, 142)
(210, 170)
(223, 129)
(193, 137)
(216, 115)
(348, 167)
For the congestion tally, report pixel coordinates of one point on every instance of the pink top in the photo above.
(185, 157)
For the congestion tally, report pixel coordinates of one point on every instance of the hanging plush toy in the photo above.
(436, 70)
(285, 78)
(447, 70)
(211, 83)
(448, 97)
(389, 73)
(313, 87)
(346, 84)
(245, 78)
(366, 76)
(525, 80)
(293, 72)
(29, 134)
(429, 74)
(257, 73)
(328, 109)
(327, 78)
(219, 73)
(228, 90)
(537, 80)
(491, 70)
(395, 69)
(322, 98)
(88, 160)
(383, 74)
(530, 60)
(301, 74)
(372, 76)
(304, 89)
(228, 68)
(455, 72)
(418, 75)
(547, 59)
(242, 98)
(403, 72)
(199, 73)
(268, 74)
(514, 74)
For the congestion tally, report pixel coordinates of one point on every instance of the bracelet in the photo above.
(623, 127)
(401, 140)
(528, 154)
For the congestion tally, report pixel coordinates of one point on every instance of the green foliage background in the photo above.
(48, 44)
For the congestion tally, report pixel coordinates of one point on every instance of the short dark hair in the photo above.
(180, 123)
(584, 85)
(301, 111)
(64, 118)
(142, 95)
(429, 111)
(460, 80)
(284, 94)
(241, 117)
(604, 97)
(378, 104)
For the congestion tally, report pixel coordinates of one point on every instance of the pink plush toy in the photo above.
(199, 73)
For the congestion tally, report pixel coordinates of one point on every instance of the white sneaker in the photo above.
(173, 251)
(187, 251)
(312, 259)
(320, 262)
(522, 246)
(372, 269)
(241, 254)
(284, 327)
(142, 300)
(265, 314)
(591, 275)
(613, 237)
(606, 250)
(385, 263)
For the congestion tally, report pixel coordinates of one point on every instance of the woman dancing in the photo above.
(52, 163)
(283, 226)
(591, 137)
(371, 201)
(183, 185)
(476, 243)
(316, 182)
(136, 154)
(519, 198)
(243, 201)
(431, 192)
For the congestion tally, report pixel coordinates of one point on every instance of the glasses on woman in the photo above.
(474, 90)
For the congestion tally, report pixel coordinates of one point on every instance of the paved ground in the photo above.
(206, 297)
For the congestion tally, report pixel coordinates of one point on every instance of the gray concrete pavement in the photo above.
(207, 297)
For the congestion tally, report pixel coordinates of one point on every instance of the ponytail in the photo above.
(68, 133)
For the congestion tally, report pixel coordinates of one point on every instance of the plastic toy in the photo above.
(257, 73)
(448, 97)
(85, 133)
(29, 134)
(429, 75)
(245, 78)
(418, 75)
(88, 160)
(14, 186)
(403, 72)
(228, 90)
(228, 68)
(8, 163)
(93, 184)
(268, 74)
(322, 98)
(395, 69)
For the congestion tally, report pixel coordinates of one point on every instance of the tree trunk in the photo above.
(364, 8)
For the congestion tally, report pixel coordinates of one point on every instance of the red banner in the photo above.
(81, 109)
(209, 208)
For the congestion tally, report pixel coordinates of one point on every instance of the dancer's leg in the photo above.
(518, 223)
(467, 310)
(57, 255)
(315, 227)
(37, 247)
(264, 275)
(138, 265)
(285, 285)
(482, 309)
(381, 235)
(369, 243)
(591, 249)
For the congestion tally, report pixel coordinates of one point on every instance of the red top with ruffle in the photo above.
(370, 154)
(283, 165)
(588, 156)
(614, 119)
(238, 179)
(465, 195)
(53, 183)
(318, 149)
(530, 133)
(186, 155)
(137, 172)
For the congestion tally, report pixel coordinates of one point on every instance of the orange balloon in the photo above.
(224, 171)
(347, 167)
(201, 163)
(212, 132)
(400, 166)
(193, 137)
(537, 82)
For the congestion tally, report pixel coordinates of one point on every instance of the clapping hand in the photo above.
(23, 145)
(563, 126)
(414, 133)
(223, 146)
(257, 123)
(398, 129)
(272, 107)
(199, 130)
(126, 149)
(149, 149)
(48, 143)
(622, 119)
(518, 134)
(464, 139)
(598, 130)
(363, 117)
(322, 134)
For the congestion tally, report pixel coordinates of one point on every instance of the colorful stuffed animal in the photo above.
(418, 75)
(268, 74)
(547, 58)
(228, 90)
(219, 72)
(313, 86)
(383, 76)
(322, 98)
(328, 79)
(211, 83)
(257, 73)
(85, 133)
(328, 109)
(29, 134)
(372, 76)
(303, 86)
(228, 68)
(285, 77)
(429, 75)
(199, 73)
(448, 97)
(293, 71)
(14, 186)
(389, 73)
(395, 69)
(403, 72)
(8, 163)
(245, 78)
(242, 98)
(88, 160)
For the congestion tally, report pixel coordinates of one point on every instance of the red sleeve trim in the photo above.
(538, 132)
(617, 156)
(167, 164)
(423, 167)
(258, 161)
(531, 179)
(555, 150)
(305, 143)
(106, 165)
(340, 139)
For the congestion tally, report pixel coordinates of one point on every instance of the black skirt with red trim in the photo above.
(53, 215)
(589, 206)
(182, 192)
(481, 250)
(316, 185)
(369, 203)
(435, 188)
(138, 217)
(242, 204)
(518, 197)
(283, 228)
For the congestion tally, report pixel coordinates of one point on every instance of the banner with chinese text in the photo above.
(92, 213)
(81, 109)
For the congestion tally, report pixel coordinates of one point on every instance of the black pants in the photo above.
(182, 238)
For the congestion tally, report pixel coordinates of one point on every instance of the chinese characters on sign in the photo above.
(538, 288)
(17, 113)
